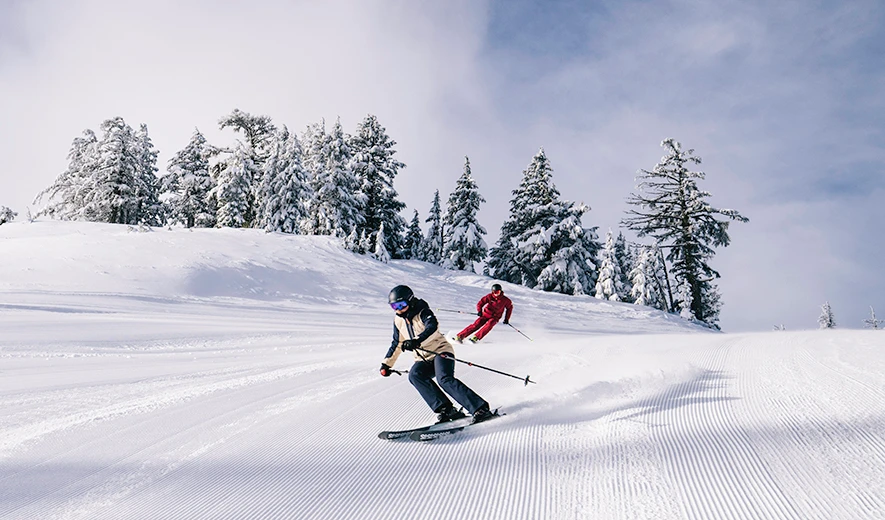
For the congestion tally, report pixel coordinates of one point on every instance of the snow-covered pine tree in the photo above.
(187, 185)
(560, 249)
(608, 285)
(826, 320)
(147, 185)
(872, 322)
(312, 140)
(363, 243)
(464, 244)
(123, 182)
(375, 168)
(535, 189)
(645, 284)
(6, 215)
(414, 241)
(624, 258)
(336, 205)
(283, 192)
(66, 197)
(233, 186)
(671, 208)
(352, 241)
(543, 243)
(433, 244)
(259, 132)
(112, 179)
(380, 252)
(685, 300)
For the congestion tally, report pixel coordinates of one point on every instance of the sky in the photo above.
(782, 101)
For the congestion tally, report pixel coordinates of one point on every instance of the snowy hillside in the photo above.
(233, 374)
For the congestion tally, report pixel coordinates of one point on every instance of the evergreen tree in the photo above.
(414, 241)
(380, 253)
(188, 184)
(608, 285)
(435, 240)
(259, 132)
(232, 188)
(672, 209)
(536, 189)
(66, 197)
(543, 243)
(645, 280)
(6, 215)
(624, 258)
(337, 202)
(283, 192)
(560, 249)
(826, 320)
(375, 168)
(112, 198)
(685, 299)
(464, 244)
(147, 184)
(363, 243)
(872, 322)
(352, 242)
(312, 140)
(121, 187)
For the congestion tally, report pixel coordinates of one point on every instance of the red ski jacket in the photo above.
(492, 306)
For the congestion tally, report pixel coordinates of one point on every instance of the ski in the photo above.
(392, 435)
(439, 433)
(433, 435)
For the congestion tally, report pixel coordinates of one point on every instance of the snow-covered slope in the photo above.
(233, 374)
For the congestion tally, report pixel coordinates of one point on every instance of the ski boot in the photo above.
(448, 414)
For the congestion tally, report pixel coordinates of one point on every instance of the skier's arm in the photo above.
(393, 352)
(509, 308)
(481, 303)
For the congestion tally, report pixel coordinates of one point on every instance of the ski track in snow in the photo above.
(298, 441)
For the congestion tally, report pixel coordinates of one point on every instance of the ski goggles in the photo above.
(398, 306)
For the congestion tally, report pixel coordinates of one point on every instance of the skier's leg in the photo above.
(472, 327)
(421, 376)
(486, 328)
(445, 374)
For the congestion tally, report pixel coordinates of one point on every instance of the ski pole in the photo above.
(446, 355)
(459, 312)
(521, 332)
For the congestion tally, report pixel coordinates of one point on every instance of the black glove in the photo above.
(411, 344)
(479, 313)
(385, 370)
(506, 322)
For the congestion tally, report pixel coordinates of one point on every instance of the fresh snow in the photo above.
(222, 373)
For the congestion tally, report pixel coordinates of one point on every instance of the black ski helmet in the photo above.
(400, 293)
(496, 287)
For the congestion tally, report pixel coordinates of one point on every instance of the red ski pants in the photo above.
(482, 326)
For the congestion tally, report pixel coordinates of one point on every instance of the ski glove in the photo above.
(479, 313)
(506, 322)
(385, 370)
(411, 344)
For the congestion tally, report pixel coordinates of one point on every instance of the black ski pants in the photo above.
(443, 369)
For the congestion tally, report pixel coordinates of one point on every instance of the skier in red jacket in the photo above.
(489, 308)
